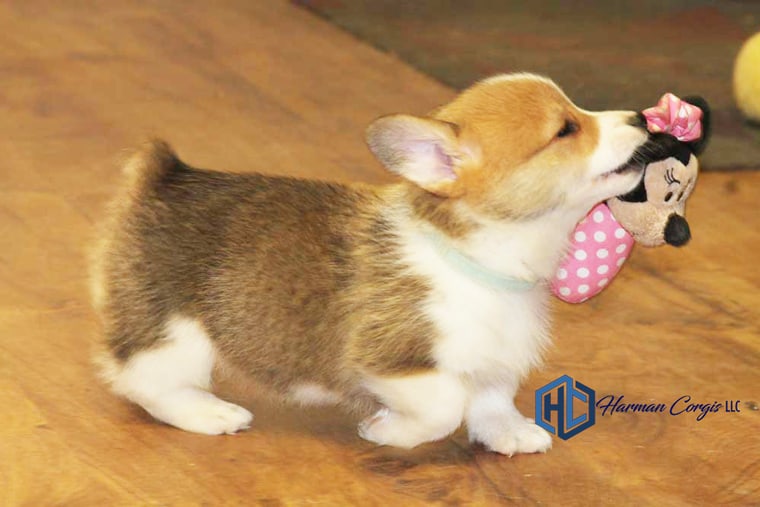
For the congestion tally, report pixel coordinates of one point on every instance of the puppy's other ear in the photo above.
(422, 150)
(698, 146)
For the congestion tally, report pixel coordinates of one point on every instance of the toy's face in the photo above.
(653, 212)
(669, 182)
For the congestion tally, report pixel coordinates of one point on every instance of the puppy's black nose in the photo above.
(638, 121)
(677, 231)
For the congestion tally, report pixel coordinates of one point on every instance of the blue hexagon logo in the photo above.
(565, 407)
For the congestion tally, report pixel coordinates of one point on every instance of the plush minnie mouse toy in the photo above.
(652, 214)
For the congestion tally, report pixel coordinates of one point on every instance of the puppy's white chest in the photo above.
(484, 332)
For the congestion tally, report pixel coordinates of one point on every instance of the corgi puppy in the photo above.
(423, 302)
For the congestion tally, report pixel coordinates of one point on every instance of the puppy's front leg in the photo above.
(417, 408)
(493, 420)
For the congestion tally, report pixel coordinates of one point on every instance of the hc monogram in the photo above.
(554, 407)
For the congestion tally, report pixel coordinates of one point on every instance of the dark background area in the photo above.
(605, 54)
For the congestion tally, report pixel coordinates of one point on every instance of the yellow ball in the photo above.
(747, 78)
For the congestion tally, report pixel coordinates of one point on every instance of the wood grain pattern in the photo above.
(265, 86)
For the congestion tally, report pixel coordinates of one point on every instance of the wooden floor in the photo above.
(266, 86)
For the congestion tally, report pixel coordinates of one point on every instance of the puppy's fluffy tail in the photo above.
(150, 164)
(145, 168)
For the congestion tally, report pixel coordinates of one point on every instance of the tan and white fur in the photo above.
(328, 293)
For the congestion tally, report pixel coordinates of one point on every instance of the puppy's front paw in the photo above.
(379, 428)
(524, 436)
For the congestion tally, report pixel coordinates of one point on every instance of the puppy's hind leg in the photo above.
(172, 379)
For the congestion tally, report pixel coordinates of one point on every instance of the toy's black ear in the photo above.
(660, 146)
(699, 145)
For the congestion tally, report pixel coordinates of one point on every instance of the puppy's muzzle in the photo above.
(677, 231)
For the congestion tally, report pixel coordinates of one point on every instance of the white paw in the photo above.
(387, 427)
(200, 412)
(521, 437)
(375, 428)
(219, 418)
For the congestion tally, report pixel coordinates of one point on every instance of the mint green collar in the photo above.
(472, 269)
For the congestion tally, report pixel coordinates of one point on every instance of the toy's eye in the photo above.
(569, 128)
(668, 196)
(680, 196)
(669, 178)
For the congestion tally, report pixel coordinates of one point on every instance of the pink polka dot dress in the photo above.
(599, 247)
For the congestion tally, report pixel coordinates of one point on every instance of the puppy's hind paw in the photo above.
(224, 418)
(200, 412)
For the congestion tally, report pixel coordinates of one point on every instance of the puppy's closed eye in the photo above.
(569, 128)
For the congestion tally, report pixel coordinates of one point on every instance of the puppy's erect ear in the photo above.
(422, 150)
